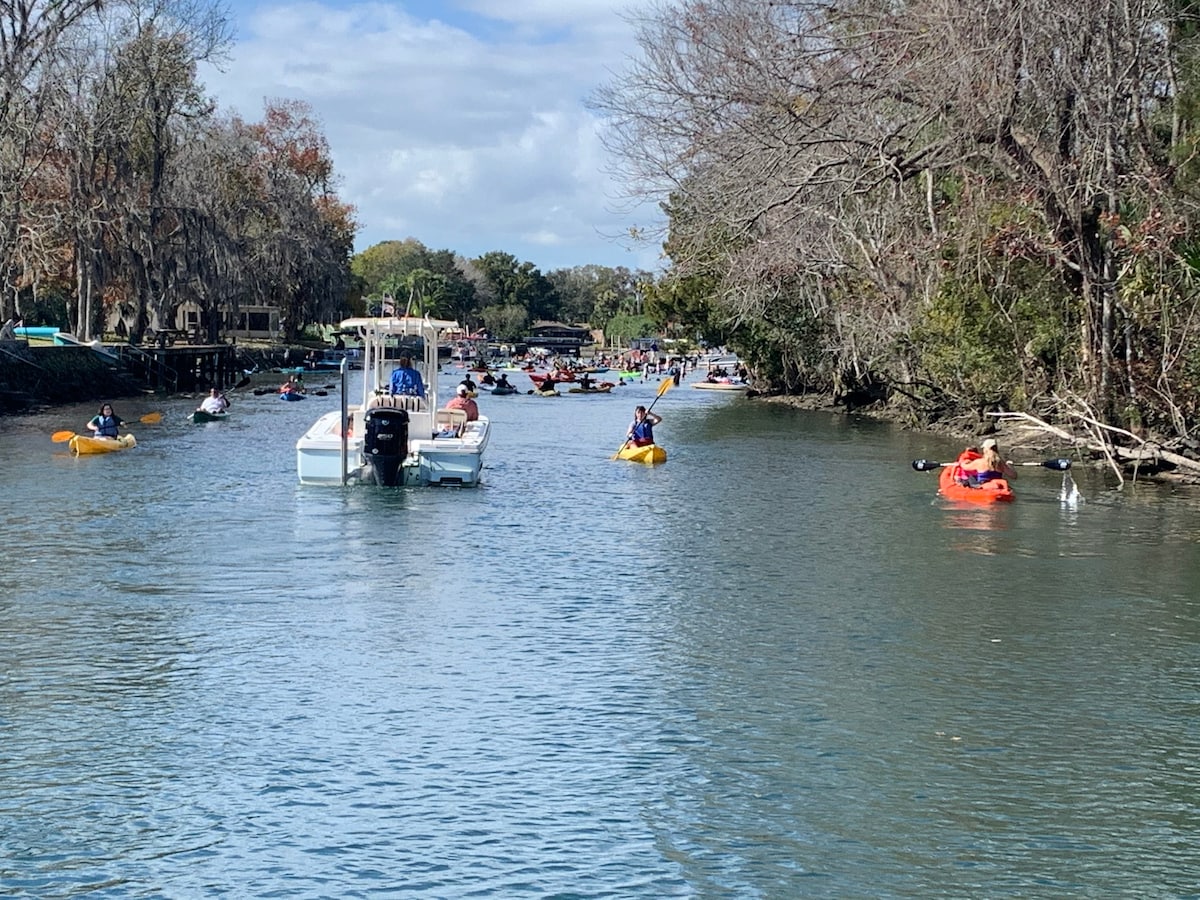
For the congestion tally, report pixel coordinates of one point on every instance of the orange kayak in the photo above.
(952, 486)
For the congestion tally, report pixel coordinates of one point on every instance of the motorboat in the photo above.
(394, 439)
(721, 384)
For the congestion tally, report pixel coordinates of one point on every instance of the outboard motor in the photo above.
(386, 443)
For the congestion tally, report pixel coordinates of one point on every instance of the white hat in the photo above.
(463, 390)
(988, 444)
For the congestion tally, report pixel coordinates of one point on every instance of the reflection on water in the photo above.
(769, 668)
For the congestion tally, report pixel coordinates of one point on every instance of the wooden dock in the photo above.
(188, 368)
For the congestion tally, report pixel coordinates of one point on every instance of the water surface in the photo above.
(773, 667)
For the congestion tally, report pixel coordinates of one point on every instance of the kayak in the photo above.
(550, 393)
(951, 487)
(81, 444)
(602, 388)
(649, 454)
(500, 391)
(291, 395)
(200, 416)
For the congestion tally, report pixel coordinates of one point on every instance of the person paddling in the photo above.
(106, 422)
(641, 431)
(988, 465)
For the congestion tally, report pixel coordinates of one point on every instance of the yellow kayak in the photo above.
(81, 444)
(650, 454)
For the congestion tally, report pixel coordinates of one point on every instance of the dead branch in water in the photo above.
(1095, 436)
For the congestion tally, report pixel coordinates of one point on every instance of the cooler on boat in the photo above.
(385, 443)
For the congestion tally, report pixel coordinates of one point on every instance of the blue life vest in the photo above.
(106, 426)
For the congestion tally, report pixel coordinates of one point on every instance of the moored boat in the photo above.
(721, 384)
(82, 444)
(953, 485)
(648, 454)
(394, 439)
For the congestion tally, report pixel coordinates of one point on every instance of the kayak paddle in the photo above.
(1058, 465)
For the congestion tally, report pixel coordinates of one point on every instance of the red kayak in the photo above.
(953, 484)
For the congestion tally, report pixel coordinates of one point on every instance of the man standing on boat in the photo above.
(406, 379)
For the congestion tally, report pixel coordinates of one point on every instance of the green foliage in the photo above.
(987, 353)
(623, 328)
(506, 322)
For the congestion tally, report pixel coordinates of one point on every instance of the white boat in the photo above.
(727, 384)
(394, 439)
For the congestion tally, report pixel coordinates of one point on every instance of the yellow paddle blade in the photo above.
(665, 386)
(151, 418)
(61, 437)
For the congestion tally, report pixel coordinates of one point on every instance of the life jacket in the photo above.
(106, 426)
(643, 433)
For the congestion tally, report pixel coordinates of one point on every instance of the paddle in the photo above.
(662, 389)
(61, 437)
(1058, 465)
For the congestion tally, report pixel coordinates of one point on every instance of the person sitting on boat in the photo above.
(987, 464)
(486, 378)
(291, 387)
(546, 386)
(468, 384)
(462, 400)
(406, 379)
(214, 404)
(641, 432)
(106, 422)
(502, 381)
(585, 381)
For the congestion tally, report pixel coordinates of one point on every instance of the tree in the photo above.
(823, 163)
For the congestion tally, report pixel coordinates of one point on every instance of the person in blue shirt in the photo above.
(406, 379)
(641, 432)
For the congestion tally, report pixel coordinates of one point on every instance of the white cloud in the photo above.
(466, 128)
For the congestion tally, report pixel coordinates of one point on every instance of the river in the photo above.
(775, 666)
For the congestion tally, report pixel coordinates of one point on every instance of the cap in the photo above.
(463, 391)
(988, 444)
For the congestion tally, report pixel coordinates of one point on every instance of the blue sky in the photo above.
(462, 123)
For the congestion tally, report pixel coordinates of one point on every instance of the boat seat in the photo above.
(407, 402)
(451, 421)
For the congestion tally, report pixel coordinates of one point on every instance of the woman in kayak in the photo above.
(106, 422)
(989, 465)
(641, 432)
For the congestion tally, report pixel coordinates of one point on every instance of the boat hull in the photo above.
(82, 445)
(199, 417)
(721, 386)
(649, 455)
(427, 461)
(995, 491)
